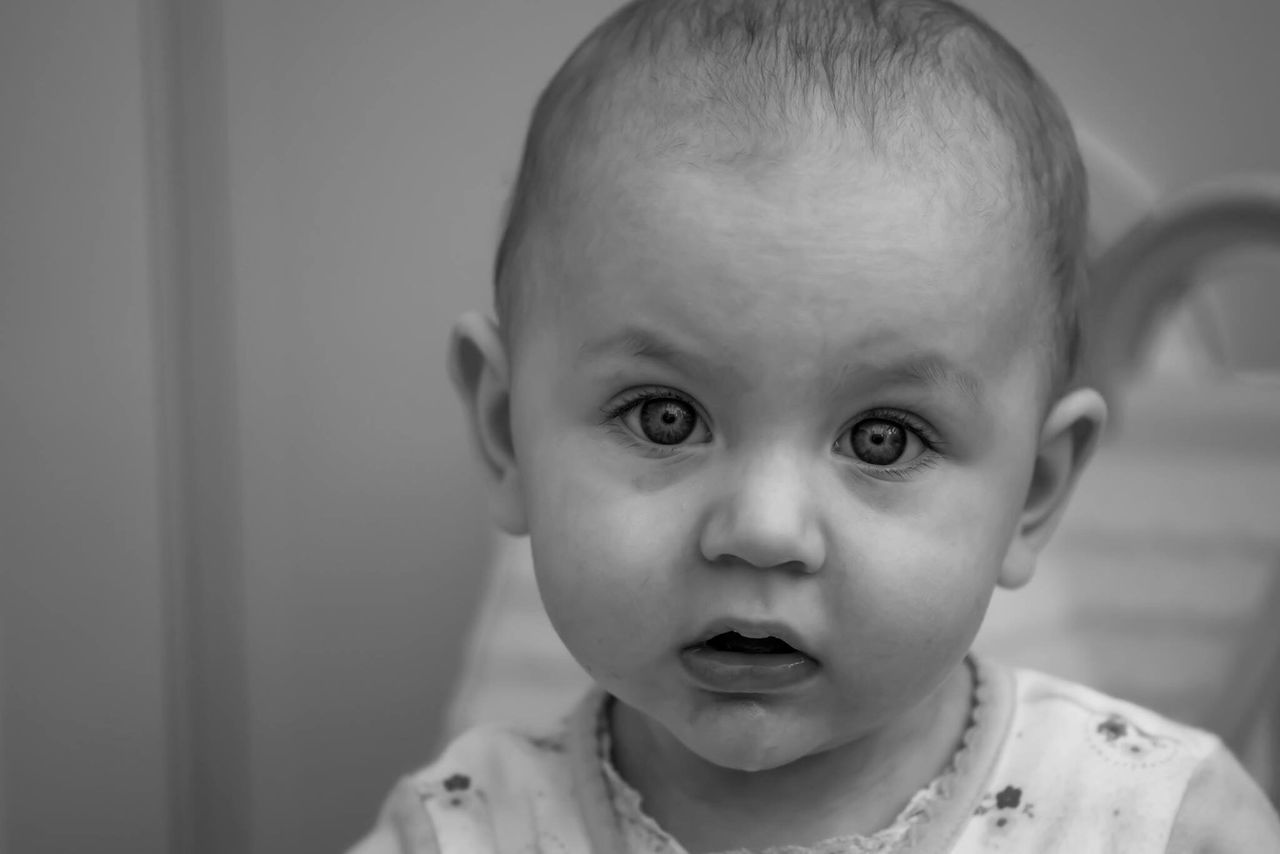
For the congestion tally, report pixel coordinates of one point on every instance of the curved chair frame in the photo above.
(1138, 279)
(1135, 283)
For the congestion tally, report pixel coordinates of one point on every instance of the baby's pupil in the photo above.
(879, 443)
(667, 421)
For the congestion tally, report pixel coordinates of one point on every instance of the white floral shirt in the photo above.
(1046, 766)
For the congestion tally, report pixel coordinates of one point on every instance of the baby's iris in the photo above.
(877, 442)
(667, 421)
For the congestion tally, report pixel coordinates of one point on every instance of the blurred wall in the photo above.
(239, 536)
(369, 149)
(82, 596)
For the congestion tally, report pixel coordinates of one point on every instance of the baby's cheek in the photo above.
(971, 527)
(908, 585)
(604, 568)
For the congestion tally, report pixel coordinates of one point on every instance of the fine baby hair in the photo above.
(732, 83)
(780, 387)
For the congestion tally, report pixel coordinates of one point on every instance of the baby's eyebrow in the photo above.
(631, 341)
(637, 343)
(652, 346)
(929, 369)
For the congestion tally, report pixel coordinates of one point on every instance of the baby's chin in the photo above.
(747, 758)
(748, 735)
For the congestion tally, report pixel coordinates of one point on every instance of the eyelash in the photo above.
(631, 399)
(933, 443)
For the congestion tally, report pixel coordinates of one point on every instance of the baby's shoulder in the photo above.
(1116, 731)
(490, 786)
(1079, 770)
(489, 759)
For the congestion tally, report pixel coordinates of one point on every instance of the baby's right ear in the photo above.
(478, 366)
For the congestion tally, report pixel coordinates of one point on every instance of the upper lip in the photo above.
(754, 628)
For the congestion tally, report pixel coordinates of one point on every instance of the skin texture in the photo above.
(781, 307)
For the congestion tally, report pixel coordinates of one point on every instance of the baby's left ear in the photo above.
(1067, 441)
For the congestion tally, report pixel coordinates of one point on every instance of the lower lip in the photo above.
(746, 673)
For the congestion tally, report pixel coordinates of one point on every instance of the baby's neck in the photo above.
(856, 789)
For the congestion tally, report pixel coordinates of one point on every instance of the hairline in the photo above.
(569, 116)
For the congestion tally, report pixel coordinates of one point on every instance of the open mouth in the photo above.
(733, 663)
(734, 642)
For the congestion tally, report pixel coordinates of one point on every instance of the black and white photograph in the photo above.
(645, 427)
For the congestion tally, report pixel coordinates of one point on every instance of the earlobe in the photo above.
(1067, 441)
(480, 372)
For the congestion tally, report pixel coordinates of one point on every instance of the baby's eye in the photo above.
(664, 420)
(881, 442)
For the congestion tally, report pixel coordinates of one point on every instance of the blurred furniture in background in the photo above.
(1162, 584)
(1190, 478)
(1140, 280)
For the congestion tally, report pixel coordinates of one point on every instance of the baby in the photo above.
(781, 388)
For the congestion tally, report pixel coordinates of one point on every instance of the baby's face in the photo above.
(799, 404)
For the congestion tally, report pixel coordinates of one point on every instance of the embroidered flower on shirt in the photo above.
(1005, 807)
(457, 783)
(455, 790)
(1117, 737)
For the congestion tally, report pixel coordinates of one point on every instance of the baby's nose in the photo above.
(766, 516)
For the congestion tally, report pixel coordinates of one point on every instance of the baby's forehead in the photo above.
(787, 253)
(827, 238)
(821, 183)
(673, 120)
(729, 89)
